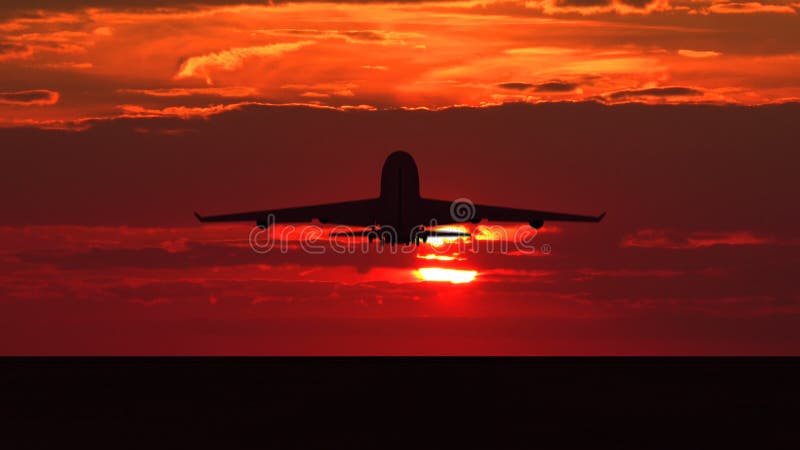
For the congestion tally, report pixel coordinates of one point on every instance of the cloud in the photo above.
(192, 112)
(184, 112)
(10, 50)
(749, 8)
(38, 97)
(362, 36)
(321, 90)
(675, 91)
(312, 94)
(229, 60)
(229, 91)
(365, 35)
(71, 65)
(625, 53)
(551, 86)
(653, 238)
(381, 36)
(556, 86)
(698, 53)
(629, 273)
(589, 3)
(637, 3)
(60, 5)
(103, 31)
(516, 86)
(536, 51)
(50, 41)
(590, 7)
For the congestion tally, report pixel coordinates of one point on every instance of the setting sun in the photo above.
(455, 276)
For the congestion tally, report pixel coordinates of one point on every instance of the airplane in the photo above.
(399, 214)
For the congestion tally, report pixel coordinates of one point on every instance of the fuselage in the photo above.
(399, 201)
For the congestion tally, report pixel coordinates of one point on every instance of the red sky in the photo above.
(121, 118)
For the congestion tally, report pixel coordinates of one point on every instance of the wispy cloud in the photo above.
(38, 97)
(749, 8)
(227, 91)
(550, 86)
(10, 50)
(474, 55)
(668, 239)
(228, 60)
(698, 53)
(660, 92)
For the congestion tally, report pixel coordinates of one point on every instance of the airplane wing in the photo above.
(355, 213)
(454, 212)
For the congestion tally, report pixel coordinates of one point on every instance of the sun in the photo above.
(455, 276)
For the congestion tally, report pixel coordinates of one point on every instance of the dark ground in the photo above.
(348, 403)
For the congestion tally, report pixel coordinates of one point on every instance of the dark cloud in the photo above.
(14, 9)
(27, 98)
(656, 238)
(656, 92)
(9, 50)
(582, 3)
(590, 3)
(516, 86)
(364, 35)
(297, 156)
(32, 5)
(551, 86)
(358, 35)
(659, 274)
(637, 3)
(556, 86)
(8, 47)
(59, 5)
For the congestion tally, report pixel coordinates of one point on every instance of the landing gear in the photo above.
(419, 235)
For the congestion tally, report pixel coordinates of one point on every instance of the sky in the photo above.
(66, 61)
(118, 119)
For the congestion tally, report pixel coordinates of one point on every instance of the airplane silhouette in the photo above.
(399, 214)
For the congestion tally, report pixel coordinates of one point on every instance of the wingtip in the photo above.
(601, 216)
(199, 217)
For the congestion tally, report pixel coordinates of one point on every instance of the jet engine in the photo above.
(261, 222)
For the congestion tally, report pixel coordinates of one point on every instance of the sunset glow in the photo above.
(455, 276)
(435, 257)
(437, 241)
(196, 60)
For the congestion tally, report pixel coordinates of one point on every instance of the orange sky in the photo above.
(111, 58)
